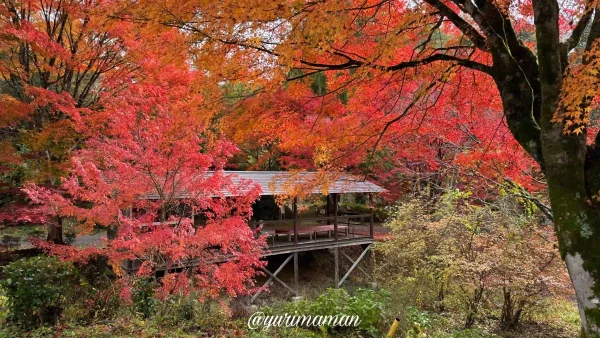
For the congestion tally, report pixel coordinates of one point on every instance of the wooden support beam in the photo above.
(279, 280)
(358, 267)
(328, 213)
(354, 265)
(272, 276)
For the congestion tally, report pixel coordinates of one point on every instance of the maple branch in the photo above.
(545, 209)
(430, 35)
(406, 110)
(441, 57)
(500, 34)
(594, 34)
(362, 8)
(580, 27)
(352, 63)
(468, 30)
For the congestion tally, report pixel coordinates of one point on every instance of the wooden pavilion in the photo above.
(331, 229)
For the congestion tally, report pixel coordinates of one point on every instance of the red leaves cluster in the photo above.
(401, 129)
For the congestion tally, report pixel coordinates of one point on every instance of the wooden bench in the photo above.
(290, 232)
(330, 229)
(270, 234)
(146, 226)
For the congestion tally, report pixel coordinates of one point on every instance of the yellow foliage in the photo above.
(580, 87)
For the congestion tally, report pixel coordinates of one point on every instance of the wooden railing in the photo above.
(317, 224)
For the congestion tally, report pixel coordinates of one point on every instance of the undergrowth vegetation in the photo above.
(472, 264)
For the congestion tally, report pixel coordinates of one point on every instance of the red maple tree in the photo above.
(149, 164)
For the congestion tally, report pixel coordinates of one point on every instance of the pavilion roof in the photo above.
(280, 183)
(276, 182)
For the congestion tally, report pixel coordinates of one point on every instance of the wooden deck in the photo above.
(281, 247)
(301, 235)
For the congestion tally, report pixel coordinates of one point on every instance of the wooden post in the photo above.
(296, 220)
(113, 229)
(328, 213)
(336, 254)
(335, 217)
(281, 212)
(371, 230)
(296, 274)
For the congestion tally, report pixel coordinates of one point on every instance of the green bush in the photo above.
(36, 289)
(177, 309)
(143, 298)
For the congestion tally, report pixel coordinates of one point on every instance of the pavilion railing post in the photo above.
(281, 212)
(296, 221)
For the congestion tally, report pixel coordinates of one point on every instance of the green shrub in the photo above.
(454, 256)
(177, 309)
(143, 298)
(36, 288)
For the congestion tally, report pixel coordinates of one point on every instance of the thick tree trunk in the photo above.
(583, 283)
(577, 223)
(576, 219)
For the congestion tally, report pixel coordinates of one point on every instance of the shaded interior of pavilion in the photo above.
(319, 218)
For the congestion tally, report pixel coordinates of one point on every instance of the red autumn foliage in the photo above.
(145, 169)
